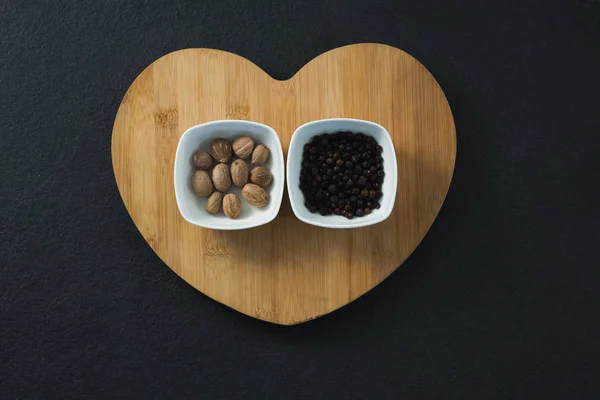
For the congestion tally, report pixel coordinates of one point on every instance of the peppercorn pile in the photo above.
(342, 174)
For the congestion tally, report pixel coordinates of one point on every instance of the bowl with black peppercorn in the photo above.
(229, 174)
(342, 173)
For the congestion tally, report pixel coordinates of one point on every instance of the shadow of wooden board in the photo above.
(285, 272)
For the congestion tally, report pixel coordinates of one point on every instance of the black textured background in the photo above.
(500, 300)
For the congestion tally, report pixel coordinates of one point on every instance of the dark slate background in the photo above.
(500, 300)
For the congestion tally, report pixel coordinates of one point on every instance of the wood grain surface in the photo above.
(285, 272)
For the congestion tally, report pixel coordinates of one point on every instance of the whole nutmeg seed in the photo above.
(261, 176)
(221, 178)
(232, 206)
(213, 204)
(221, 150)
(260, 155)
(202, 160)
(242, 147)
(255, 195)
(201, 183)
(239, 173)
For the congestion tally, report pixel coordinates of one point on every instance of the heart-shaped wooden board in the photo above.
(285, 272)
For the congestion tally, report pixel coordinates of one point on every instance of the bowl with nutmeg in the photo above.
(229, 175)
(342, 173)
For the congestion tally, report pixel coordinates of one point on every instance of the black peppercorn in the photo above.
(339, 174)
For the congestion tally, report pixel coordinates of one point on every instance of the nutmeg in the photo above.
(213, 204)
(232, 206)
(260, 155)
(255, 195)
(202, 160)
(242, 147)
(261, 176)
(201, 183)
(239, 173)
(221, 150)
(221, 178)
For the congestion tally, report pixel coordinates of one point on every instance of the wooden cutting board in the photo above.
(285, 272)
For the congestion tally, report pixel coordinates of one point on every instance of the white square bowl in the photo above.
(303, 134)
(192, 207)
